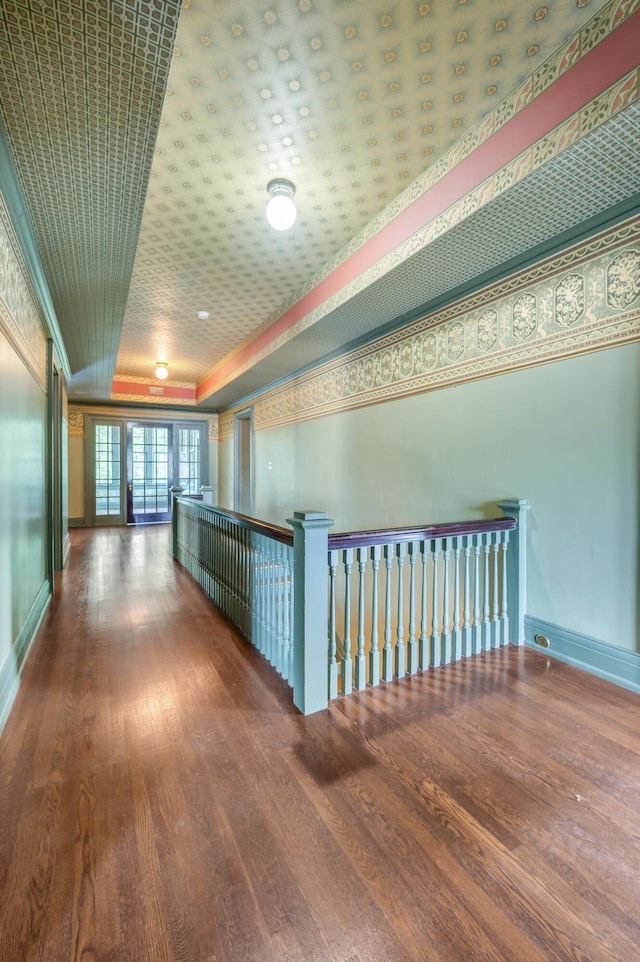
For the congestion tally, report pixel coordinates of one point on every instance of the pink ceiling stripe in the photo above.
(131, 387)
(599, 69)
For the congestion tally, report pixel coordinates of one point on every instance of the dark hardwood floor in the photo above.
(161, 799)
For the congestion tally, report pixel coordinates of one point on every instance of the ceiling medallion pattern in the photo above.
(359, 106)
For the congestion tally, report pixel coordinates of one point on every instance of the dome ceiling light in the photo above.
(162, 370)
(281, 210)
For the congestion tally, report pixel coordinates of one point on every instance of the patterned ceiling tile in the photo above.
(353, 101)
(81, 90)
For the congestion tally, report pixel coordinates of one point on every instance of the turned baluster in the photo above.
(374, 653)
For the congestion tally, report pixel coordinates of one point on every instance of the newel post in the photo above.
(517, 567)
(310, 666)
(176, 490)
(206, 490)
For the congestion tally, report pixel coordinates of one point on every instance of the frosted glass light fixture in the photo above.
(162, 370)
(281, 210)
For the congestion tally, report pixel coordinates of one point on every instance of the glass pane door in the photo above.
(148, 473)
(107, 488)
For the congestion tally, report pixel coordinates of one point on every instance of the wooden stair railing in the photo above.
(334, 613)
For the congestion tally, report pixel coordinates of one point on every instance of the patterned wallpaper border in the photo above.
(586, 299)
(78, 411)
(20, 317)
(588, 119)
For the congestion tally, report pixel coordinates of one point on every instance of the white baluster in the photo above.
(247, 566)
(347, 663)
(423, 647)
(477, 624)
(387, 651)
(266, 649)
(275, 580)
(435, 653)
(505, 606)
(457, 631)
(333, 663)
(412, 647)
(280, 602)
(400, 652)
(264, 596)
(374, 653)
(287, 666)
(361, 661)
(486, 624)
(446, 604)
(468, 649)
(495, 642)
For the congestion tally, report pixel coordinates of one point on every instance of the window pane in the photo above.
(107, 469)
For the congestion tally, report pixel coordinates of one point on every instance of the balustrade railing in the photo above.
(246, 567)
(334, 613)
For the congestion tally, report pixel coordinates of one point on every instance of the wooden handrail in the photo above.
(451, 529)
(361, 539)
(273, 531)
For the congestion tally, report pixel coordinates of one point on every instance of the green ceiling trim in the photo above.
(22, 226)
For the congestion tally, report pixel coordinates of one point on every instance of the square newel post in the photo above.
(517, 567)
(206, 490)
(310, 659)
(176, 490)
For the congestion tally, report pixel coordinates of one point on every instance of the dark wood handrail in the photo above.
(451, 529)
(273, 531)
(362, 539)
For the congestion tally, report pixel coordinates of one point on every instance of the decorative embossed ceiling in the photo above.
(350, 100)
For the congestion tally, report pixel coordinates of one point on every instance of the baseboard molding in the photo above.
(618, 665)
(12, 669)
(77, 523)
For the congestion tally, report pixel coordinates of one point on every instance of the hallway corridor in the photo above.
(162, 801)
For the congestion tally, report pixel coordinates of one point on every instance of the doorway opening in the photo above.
(243, 466)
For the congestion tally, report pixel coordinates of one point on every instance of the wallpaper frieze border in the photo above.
(77, 414)
(419, 358)
(21, 319)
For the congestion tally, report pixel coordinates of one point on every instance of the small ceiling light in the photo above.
(281, 210)
(162, 370)
(203, 315)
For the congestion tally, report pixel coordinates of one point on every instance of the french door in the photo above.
(131, 465)
(149, 472)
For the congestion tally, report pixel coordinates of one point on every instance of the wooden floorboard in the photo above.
(162, 801)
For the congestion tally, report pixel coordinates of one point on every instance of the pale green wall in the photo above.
(564, 436)
(22, 505)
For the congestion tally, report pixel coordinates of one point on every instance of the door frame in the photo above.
(243, 468)
(160, 516)
(90, 421)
